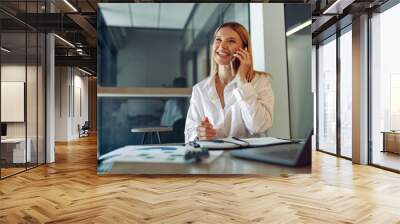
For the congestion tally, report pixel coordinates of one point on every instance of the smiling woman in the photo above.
(143, 49)
(234, 100)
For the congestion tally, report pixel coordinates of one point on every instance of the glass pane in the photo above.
(136, 51)
(238, 13)
(133, 40)
(31, 97)
(134, 37)
(41, 98)
(314, 88)
(327, 96)
(385, 114)
(298, 44)
(204, 14)
(346, 94)
(117, 116)
(14, 152)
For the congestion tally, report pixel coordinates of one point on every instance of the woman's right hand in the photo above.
(205, 130)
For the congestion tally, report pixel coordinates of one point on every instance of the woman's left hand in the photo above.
(245, 71)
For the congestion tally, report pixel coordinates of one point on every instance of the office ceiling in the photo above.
(76, 20)
(332, 15)
(20, 49)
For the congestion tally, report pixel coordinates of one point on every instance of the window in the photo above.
(334, 94)
(327, 95)
(346, 92)
(385, 86)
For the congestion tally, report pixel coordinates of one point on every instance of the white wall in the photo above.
(12, 101)
(269, 47)
(33, 126)
(67, 115)
(80, 83)
(61, 103)
(16, 73)
(257, 35)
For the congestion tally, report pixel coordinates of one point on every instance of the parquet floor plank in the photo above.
(70, 191)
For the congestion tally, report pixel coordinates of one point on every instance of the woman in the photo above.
(234, 100)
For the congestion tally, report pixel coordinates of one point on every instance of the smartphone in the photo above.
(236, 61)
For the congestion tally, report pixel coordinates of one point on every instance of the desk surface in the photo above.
(151, 129)
(390, 132)
(224, 164)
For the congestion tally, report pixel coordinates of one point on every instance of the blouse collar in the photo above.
(211, 90)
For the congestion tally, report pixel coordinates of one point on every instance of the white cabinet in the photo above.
(17, 146)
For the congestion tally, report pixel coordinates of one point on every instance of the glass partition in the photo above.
(31, 100)
(346, 92)
(298, 44)
(327, 95)
(385, 89)
(14, 153)
(41, 97)
(148, 62)
(22, 88)
(119, 115)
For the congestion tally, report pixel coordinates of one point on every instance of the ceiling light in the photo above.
(299, 27)
(65, 41)
(84, 71)
(5, 50)
(71, 6)
(331, 7)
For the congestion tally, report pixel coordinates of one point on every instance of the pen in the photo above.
(241, 140)
(224, 141)
(216, 141)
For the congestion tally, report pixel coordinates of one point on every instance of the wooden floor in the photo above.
(386, 159)
(70, 191)
(10, 171)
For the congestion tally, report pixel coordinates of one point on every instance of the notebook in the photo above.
(236, 143)
(290, 154)
(151, 154)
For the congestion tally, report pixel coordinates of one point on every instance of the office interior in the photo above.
(131, 43)
(49, 75)
(39, 108)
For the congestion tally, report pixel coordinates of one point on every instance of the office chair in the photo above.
(84, 130)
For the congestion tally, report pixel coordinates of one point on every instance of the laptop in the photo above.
(291, 154)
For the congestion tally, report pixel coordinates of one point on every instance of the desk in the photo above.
(224, 164)
(15, 148)
(391, 141)
(151, 130)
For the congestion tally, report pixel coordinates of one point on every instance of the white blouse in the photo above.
(248, 107)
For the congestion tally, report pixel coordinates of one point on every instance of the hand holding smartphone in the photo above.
(242, 64)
